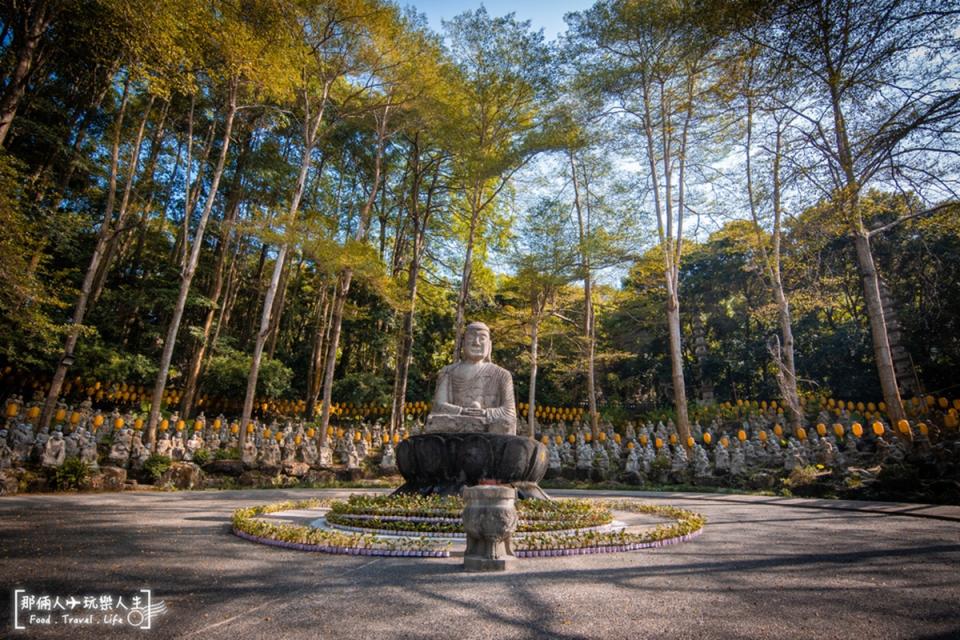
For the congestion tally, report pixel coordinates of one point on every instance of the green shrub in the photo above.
(72, 474)
(201, 457)
(898, 477)
(156, 465)
(802, 477)
(27, 478)
(661, 463)
(233, 453)
(853, 481)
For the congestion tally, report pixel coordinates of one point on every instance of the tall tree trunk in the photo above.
(274, 330)
(189, 270)
(103, 237)
(878, 330)
(405, 352)
(333, 343)
(315, 370)
(260, 341)
(534, 360)
(217, 287)
(784, 356)
(676, 363)
(418, 220)
(311, 127)
(675, 252)
(583, 229)
(402, 373)
(400, 227)
(181, 247)
(230, 294)
(101, 278)
(467, 272)
(663, 205)
(30, 23)
(346, 277)
(788, 361)
(850, 207)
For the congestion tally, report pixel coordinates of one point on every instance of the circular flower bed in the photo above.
(247, 524)
(436, 516)
(686, 525)
(411, 525)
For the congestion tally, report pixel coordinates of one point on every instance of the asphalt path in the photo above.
(763, 568)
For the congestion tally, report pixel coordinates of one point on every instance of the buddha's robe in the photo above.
(468, 387)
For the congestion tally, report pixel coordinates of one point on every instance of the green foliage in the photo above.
(202, 457)
(615, 413)
(409, 505)
(660, 464)
(436, 514)
(686, 523)
(227, 372)
(100, 361)
(233, 453)
(156, 465)
(463, 125)
(803, 477)
(72, 474)
(362, 387)
(246, 520)
(29, 333)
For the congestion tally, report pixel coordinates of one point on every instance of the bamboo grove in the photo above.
(295, 206)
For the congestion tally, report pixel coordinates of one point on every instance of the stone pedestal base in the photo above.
(489, 519)
(445, 463)
(476, 564)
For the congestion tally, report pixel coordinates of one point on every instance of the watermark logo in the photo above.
(36, 610)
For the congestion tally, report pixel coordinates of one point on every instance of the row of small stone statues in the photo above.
(609, 459)
(265, 448)
(637, 454)
(290, 445)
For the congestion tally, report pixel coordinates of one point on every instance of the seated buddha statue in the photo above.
(474, 394)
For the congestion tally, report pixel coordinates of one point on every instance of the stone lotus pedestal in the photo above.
(489, 520)
(445, 463)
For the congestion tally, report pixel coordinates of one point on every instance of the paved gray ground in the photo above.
(764, 568)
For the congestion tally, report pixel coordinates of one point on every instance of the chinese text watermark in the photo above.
(137, 609)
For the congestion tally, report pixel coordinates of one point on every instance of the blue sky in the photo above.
(543, 14)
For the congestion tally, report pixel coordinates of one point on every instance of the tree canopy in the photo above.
(265, 207)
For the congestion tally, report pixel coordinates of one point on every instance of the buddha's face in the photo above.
(476, 345)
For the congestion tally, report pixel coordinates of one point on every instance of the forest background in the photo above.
(211, 204)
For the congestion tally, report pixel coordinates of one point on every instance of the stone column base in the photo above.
(489, 519)
(480, 564)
